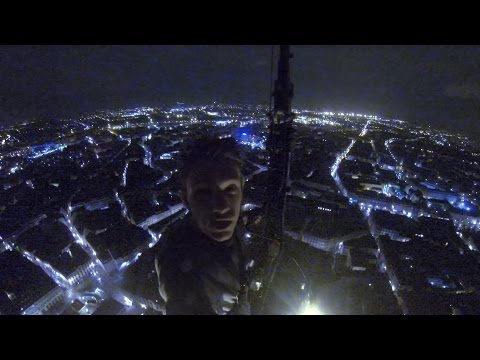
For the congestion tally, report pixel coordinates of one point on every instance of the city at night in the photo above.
(343, 180)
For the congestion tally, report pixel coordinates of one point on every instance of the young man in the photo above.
(201, 266)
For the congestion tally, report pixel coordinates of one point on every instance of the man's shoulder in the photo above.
(175, 247)
(174, 235)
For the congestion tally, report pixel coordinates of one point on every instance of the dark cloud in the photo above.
(466, 90)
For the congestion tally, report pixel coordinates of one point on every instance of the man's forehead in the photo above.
(214, 172)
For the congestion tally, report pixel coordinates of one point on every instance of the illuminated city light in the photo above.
(127, 301)
(124, 265)
(56, 276)
(39, 151)
(79, 239)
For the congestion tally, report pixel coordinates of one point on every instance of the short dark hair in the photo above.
(207, 149)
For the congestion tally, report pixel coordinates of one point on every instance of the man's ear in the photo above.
(183, 196)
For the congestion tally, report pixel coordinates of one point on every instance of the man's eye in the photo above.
(231, 188)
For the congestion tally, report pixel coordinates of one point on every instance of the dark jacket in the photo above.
(199, 276)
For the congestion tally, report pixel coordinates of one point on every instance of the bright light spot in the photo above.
(127, 301)
(311, 309)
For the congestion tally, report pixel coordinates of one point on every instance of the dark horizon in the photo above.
(432, 85)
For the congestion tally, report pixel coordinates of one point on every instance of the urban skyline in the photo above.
(434, 85)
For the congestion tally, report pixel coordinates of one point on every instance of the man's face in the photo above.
(213, 194)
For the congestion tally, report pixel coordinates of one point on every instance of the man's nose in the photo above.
(220, 204)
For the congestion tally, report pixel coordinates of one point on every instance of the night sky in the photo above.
(436, 85)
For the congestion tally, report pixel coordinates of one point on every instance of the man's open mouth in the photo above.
(220, 225)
